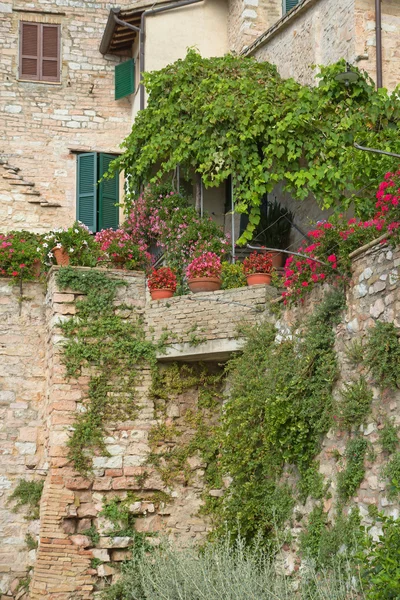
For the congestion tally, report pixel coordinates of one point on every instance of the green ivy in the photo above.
(110, 340)
(382, 354)
(279, 407)
(349, 479)
(234, 115)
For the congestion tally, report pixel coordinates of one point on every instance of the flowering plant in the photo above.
(77, 241)
(122, 249)
(388, 203)
(18, 254)
(205, 265)
(163, 217)
(257, 262)
(162, 279)
(327, 258)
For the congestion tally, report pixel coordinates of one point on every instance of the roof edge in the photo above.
(109, 30)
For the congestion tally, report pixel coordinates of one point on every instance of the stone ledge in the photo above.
(214, 350)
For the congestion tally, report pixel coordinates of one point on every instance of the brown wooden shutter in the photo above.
(29, 49)
(50, 54)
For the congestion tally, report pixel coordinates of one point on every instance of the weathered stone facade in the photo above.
(44, 123)
(323, 31)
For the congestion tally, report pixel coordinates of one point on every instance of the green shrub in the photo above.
(355, 404)
(380, 562)
(222, 572)
(382, 354)
(232, 276)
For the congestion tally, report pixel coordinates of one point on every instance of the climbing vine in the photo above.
(232, 115)
(108, 340)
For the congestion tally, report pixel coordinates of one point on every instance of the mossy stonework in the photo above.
(160, 451)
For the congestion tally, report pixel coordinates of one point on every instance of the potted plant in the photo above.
(162, 283)
(273, 230)
(121, 249)
(258, 268)
(74, 245)
(203, 273)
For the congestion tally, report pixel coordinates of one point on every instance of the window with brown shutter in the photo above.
(39, 52)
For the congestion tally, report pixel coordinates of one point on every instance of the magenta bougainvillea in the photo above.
(327, 257)
(122, 249)
(205, 265)
(162, 279)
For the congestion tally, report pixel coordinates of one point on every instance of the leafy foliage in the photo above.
(112, 346)
(232, 276)
(382, 354)
(325, 542)
(18, 252)
(232, 115)
(388, 436)
(280, 405)
(392, 472)
(380, 562)
(350, 478)
(355, 403)
(27, 494)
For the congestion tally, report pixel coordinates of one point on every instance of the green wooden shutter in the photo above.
(108, 195)
(86, 209)
(124, 79)
(289, 4)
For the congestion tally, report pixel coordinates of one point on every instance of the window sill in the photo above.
(39, 81)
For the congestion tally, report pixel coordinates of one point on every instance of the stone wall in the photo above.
(323, 31)
(366, 40)
(40, 404)
(250, 18)
(316, 32)
(43, 123)
(22, 394)
(373, 295)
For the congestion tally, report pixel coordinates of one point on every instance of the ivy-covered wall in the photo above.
(157, 468)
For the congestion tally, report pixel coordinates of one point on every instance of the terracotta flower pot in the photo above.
(258, 278)
(204, 284)
(161, 294)
(61, 256)
(278, 259)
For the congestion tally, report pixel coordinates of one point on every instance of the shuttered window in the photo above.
(124, 79)
(289, 4)
(96, 203)
(39, 52)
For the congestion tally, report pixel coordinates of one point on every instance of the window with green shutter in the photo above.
(124, 79)
(289, 4)
(96, 202)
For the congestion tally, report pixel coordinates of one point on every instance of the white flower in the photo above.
(71, 249)
(45, 245)
(76, 230)
(38, 249)
(85, 242)
(59, 245)
(50, 254)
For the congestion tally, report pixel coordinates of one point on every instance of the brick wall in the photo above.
(249, 18)
(42, 122)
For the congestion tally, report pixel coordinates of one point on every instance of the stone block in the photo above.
(101, 554)
(81, 540)
(83, 525)
(78, 483)
(87, 510)
(120, 555)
